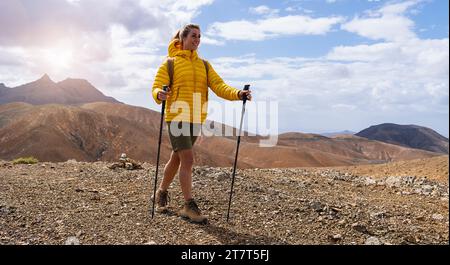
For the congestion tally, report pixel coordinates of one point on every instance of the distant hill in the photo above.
(2, 90)
(45, 91)
(102, 131)
(412, 136)
(334, 134)
(72, 119)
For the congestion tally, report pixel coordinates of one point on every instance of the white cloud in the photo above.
(264, 10)
(13, 66)
(210, 41)
(401, 78)
(388, 23)
(343, 107)
(298, 8)
(28, 23)
(272, 27)
(260, 10)
(396, 82)
(398, 8)
(289, 9)
(114, 44)
(185, 5)
(376, 52)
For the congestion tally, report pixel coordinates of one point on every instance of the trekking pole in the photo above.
(246, 87)
(159, 148)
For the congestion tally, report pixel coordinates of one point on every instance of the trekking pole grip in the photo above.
(246, 88)
(164, 88)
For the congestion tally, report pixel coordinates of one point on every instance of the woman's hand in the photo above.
(163, 95)
(246, 93)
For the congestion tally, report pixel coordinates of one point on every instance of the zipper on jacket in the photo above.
(193, 71)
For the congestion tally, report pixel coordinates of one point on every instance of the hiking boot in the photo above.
(162, 200)
(191, 211)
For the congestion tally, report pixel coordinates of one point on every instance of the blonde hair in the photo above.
(184, 32)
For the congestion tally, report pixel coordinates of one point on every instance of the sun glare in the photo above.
(59, 57)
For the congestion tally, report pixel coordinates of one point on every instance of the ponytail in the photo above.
(177, 35)
(184, 32)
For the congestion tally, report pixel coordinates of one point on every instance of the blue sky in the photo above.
(329, 65)
(431, 22)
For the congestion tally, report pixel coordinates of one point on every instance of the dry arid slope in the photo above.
(435, 169)
(101, 131)
(87, 203)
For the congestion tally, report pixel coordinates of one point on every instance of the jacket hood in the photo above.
(176, 50)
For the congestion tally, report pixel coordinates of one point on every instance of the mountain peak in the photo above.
(46, 91)
(413, 136)
(46, 78)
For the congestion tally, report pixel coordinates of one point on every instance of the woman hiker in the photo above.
(185, 111)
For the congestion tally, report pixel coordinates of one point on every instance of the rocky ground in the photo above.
(435, 168)
(87, 203)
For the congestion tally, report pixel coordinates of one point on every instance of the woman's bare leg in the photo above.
(170, 170)
(186, 162)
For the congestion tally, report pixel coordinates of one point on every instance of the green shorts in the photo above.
(183, 135)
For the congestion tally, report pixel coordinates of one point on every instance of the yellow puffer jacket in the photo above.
(189, 91)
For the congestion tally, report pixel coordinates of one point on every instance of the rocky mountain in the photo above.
(102, 131)
(412, 136)
(45, 91)
(71, 119)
